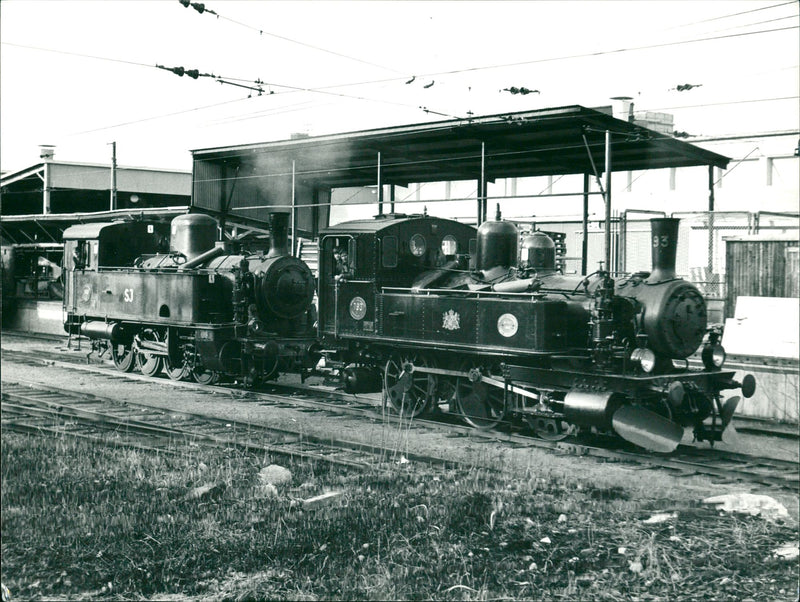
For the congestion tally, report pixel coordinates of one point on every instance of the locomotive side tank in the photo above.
(196, 309)
(508, 340)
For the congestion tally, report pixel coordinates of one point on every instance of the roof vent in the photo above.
(46, 151)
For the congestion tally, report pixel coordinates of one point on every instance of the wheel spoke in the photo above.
(204, 377)
(149, 363)
(406, 392)
(123, 357)
(479, 405)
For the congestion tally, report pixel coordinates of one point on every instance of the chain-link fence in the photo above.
(701, 242)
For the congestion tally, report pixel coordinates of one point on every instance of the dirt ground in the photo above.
(163, 393)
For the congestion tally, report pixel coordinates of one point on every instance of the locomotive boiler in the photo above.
(184, 302)
(457, 319)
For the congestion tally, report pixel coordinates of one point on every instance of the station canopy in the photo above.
(247, 179)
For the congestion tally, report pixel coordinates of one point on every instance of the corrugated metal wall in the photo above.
(760, 268)
(207, 185)
(252, 193)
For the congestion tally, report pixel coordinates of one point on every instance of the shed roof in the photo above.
(95, 176)
(529, 143)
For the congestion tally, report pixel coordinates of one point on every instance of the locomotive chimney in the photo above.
(278, 233)
(664, 231)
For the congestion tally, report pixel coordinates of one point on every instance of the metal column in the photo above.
(710, 275)
(585, 245)
(482, 188)
(380, 187)
(113, 200)
(46, 188)
(294, 209)
(608, 200)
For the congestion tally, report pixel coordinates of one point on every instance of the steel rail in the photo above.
(788, 476)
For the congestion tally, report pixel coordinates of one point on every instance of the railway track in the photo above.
(32, 408)
(724, 466)
(81, 353)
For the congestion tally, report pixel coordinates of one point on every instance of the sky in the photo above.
(81, 74)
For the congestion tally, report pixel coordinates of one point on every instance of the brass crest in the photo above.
(450, 320)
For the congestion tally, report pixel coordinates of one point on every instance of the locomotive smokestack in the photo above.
(278, 233)
(664, 240)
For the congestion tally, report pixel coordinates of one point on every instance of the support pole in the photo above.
(391, 198)
(294, 209)
(113, 200)
(710, 275)
(608, 200)
(380, 186)
(46, 188)
(482, 187)
(585, 245)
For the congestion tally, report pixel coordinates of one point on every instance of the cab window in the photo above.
(341, 255)
(389, 252)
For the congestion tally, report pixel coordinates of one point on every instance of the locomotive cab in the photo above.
(361, 259)
(108, 245)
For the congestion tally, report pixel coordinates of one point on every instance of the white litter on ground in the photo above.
(660, 518)
(749, 503)
(788, 551)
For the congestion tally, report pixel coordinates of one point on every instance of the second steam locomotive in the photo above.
(186, 302)
(439, 315)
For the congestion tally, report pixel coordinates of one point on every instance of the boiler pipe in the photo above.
(202, 258)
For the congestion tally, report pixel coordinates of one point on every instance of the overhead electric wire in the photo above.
(86, 56)
(553, 59)
(326, 89)
(604, 52)
(746, 12)
(153, 118)
(261, 31)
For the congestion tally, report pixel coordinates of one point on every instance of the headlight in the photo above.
(507, 325)
(645, 358)
(358, 308)
(713, 356)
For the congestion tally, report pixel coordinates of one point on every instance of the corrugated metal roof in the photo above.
(530, 143)
(87, 231)
(375, 224)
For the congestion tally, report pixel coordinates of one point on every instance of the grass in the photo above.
(94, 522)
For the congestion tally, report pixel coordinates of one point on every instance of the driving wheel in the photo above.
(407, 391)
(148, 362)
(123, 357)
(479, 404)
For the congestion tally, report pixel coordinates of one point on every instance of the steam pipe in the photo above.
(517, 286)
(202, 258)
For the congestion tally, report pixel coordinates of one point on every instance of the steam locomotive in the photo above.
(438, 315)
(442, 316)
(181, 301)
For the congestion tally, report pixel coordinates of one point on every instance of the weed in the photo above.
(77, 517)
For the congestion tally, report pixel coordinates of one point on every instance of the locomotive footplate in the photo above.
(626, 384)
